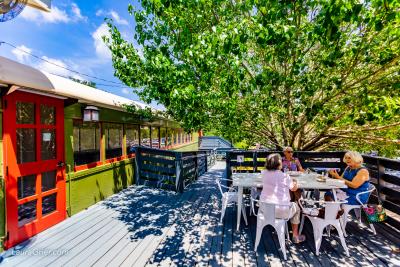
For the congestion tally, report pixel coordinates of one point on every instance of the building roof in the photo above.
(26, 77)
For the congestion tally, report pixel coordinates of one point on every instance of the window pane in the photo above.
(145, 136)
(47, 115)
(26, 186)
(48, 149)
(49, 204)
(26, 145)
(113, 140)
(48, 180)
(26, 212)
(155, 143)
(132, 137)
(86, 142)
(25, 113)
(163, 139)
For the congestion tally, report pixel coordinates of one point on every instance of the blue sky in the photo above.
(69, 36)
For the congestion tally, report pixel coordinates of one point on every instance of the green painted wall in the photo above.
(90, 186)
(2, 184)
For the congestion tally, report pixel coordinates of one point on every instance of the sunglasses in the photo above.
(291, 152)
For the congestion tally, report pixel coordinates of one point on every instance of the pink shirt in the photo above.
(276, 186)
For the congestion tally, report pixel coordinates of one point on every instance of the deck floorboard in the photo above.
(142, 226)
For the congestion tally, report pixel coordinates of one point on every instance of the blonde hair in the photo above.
(287, 148)
(355, 156)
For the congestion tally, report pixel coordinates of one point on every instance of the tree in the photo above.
(312, 74)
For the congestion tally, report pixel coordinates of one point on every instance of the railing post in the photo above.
(196, 166)
(179, 172)
(255, 161)
(228, 165)
(206, 163)
(381, 171)
(138, 165)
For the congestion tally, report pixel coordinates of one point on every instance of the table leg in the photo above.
(334, 194)
(239, 206)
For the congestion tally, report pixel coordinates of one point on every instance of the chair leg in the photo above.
(358, 214)
(244, 214)
(224, 204)
(317, 237)
(287, 231)
(342, 240)
(301, 224)
(372, 228)
(281, 236)
(344, 219)
(258, 235)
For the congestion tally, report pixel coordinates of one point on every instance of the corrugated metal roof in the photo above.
(14, 73)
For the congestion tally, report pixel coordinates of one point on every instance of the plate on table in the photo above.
(294, 173)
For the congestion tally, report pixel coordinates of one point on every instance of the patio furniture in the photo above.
(357, 209)
(304, 181)
(319, 224)
(266, 216)
(228, 197)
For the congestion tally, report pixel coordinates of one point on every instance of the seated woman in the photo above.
(290, 163)
(276, 186)
(355, 176)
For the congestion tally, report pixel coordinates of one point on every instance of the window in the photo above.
(132, 137)
(145, 136)
(155, 142)
(163, 137)
(113, 133)
(179, 136)
(175, 133)
(170, 137)
(86, 143)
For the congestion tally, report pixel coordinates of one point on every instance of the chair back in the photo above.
(221, 186)
(371, 188)
(269, 211)
(331, 210)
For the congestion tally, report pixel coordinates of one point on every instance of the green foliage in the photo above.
(88, 83)
(312, 74)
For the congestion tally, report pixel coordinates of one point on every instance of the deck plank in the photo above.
(146, 226)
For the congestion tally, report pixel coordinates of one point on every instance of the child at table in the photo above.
(276, 189)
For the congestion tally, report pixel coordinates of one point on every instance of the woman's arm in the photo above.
(361, 177)
(299, 167)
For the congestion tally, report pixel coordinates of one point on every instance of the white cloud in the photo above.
(21, 53)
(77, 13)
(102, 50)
(125, 91)
(114, 15)
(54, 16)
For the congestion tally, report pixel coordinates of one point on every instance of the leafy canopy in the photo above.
(313, 74)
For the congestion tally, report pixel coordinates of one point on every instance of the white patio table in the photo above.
(304, 181)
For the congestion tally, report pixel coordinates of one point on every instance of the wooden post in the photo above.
(138, 164)
(179, 172)
(381, 172)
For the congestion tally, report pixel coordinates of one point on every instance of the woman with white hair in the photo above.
(355, 176)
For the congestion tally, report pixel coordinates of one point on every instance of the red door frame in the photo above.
(13, 170)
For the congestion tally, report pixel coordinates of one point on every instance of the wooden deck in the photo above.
(143, 226)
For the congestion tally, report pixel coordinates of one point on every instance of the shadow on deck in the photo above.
(144, 226)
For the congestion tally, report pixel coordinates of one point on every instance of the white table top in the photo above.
(304, 181)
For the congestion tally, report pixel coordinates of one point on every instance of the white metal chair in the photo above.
(228, 197)
(254, 194)
(266, 216)
(357, 209)
(319, 224)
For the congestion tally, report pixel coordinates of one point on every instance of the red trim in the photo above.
(87, 166)
(115, 159)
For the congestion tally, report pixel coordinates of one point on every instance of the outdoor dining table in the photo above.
(307, 181)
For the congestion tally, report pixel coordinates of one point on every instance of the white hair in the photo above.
(355, 156)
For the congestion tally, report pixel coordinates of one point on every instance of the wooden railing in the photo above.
(169, 169)
(384, 173)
